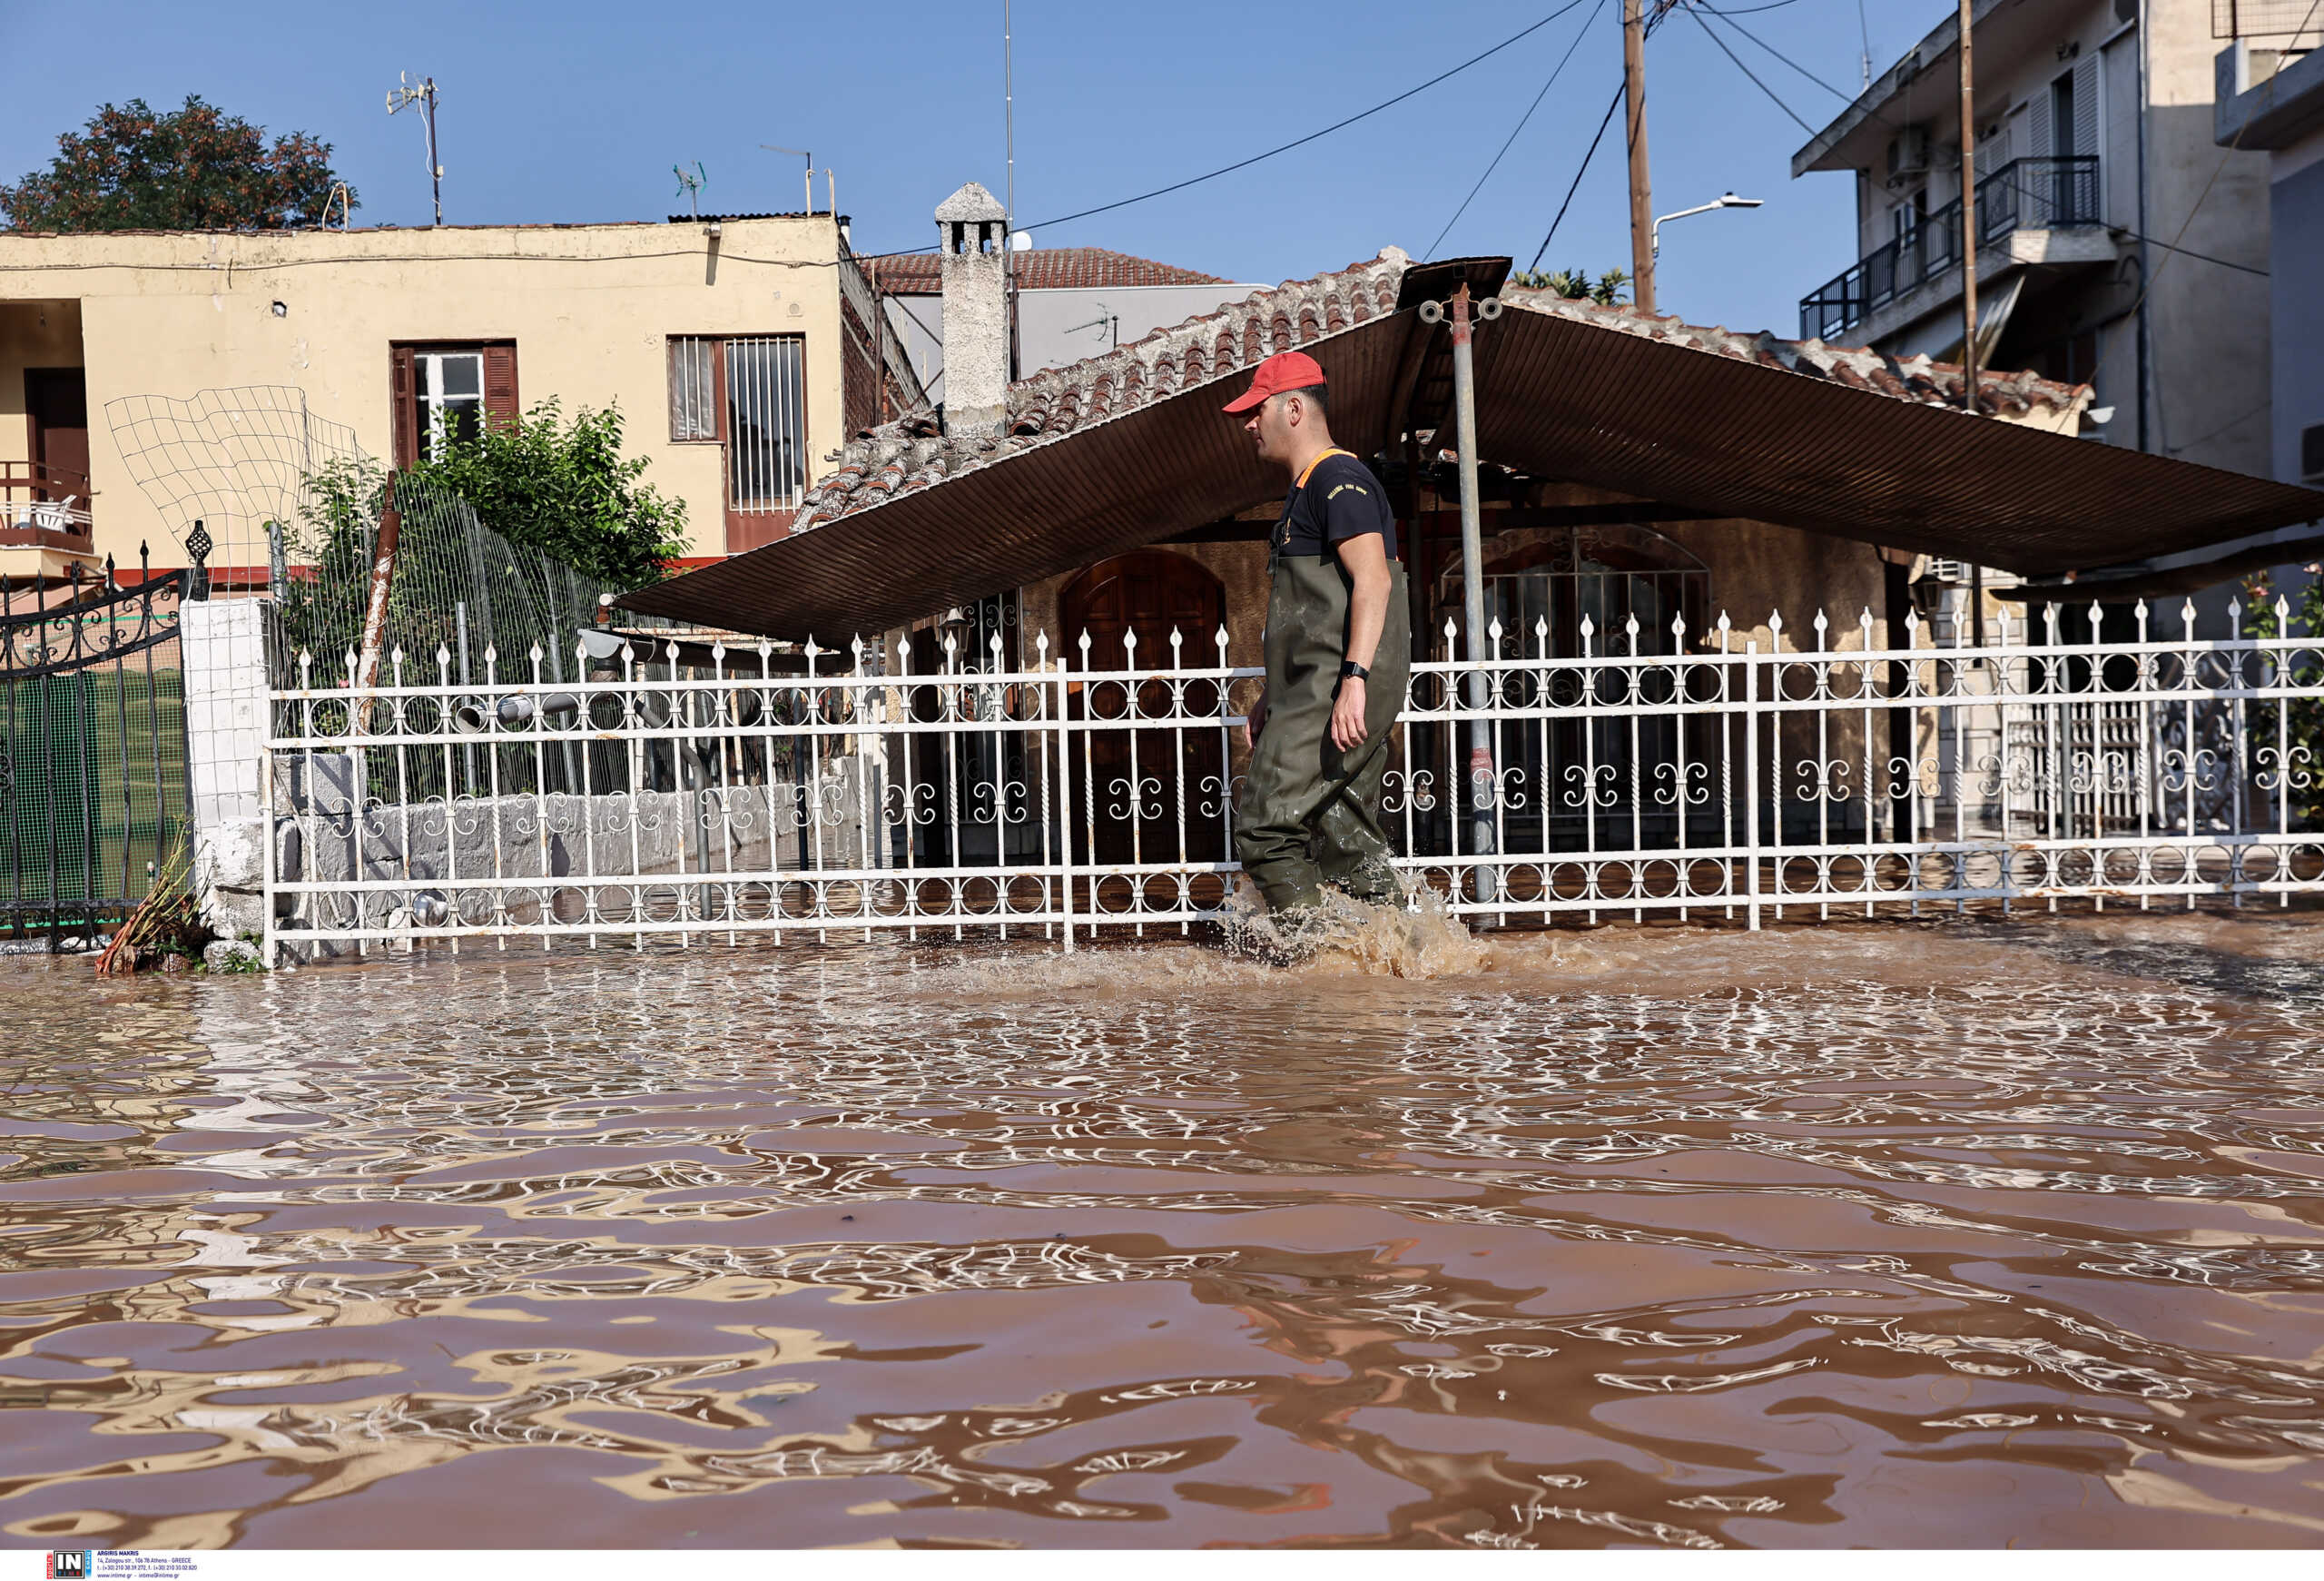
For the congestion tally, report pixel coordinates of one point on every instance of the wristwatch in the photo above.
(1349, 667)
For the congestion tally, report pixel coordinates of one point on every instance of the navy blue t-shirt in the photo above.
(1338, 499)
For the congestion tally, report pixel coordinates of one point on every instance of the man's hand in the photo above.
(1347, 715)
(1256, 720)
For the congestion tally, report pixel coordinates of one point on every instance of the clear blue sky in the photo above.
(577, 111)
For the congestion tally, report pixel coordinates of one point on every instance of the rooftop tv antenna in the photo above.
(403, 98)
(690, 186)
(810, 158)
(1009, 109)
(1010, 248)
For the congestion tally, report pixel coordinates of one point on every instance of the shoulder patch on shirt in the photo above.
(1344, 488)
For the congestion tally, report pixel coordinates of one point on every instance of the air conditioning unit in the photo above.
(1908, 153)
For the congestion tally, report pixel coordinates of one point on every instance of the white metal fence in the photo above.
(690, 793)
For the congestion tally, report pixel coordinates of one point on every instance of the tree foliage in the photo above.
(195, 168)
(1608, 290)
(565, 489)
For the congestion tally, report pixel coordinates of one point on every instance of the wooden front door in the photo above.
(1149, 593)
(56, 403)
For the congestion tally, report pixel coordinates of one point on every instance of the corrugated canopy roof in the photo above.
(1791, 433)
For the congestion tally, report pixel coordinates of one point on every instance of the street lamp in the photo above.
(1725, 201)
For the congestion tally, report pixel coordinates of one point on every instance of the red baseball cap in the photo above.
(1283, 370)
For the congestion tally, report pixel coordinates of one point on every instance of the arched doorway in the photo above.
(1150, 592)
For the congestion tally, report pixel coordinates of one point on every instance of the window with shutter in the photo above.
(2085, 105)
(402, 375)
(746, 393)
(1995, 142)
(445, 393)
(501, 383)
(694, 389)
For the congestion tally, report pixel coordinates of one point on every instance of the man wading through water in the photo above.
(1337, 646)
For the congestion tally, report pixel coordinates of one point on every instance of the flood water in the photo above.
(1960, 1233)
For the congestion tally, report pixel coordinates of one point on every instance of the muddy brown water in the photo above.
(1918, 1235)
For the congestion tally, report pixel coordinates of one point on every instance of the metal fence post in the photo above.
(1064, 738)
(1751, 780)
(267, 876)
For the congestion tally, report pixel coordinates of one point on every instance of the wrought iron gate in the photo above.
(741, 790)
(93, 756)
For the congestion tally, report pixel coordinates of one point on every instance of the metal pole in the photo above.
(435, 170)
(1482, 780)
(460, 631)
(1641, 187)
(1009, 139)
(1968, 220)
(374, 611)
(1898, 595)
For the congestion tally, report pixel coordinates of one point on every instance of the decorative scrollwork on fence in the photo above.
(1676, 784)
(1408, 792)
(665, 800)
(50, 629)
(1585, 781)
(1130, 802)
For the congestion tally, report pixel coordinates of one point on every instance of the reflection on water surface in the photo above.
(1953, 1234)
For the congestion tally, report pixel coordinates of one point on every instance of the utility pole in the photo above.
(1968, 220)
(1641, 188)
(404, 98)
(1009, 145)
(1485, 783)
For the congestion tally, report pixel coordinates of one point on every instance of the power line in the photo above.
(1508, 142)
(2013, 186)
(1729, 18)
(1312, 136)
(1747, 72)
(1611, 105)
(240, 266)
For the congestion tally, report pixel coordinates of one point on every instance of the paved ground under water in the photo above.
(1955, 1233)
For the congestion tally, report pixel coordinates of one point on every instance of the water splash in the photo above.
(1423, 940)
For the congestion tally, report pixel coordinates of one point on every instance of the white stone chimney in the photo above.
(972, 230)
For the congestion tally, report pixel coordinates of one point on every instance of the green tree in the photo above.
(1575, 285)
(191, 169)
(565, 489)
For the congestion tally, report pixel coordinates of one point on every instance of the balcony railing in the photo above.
(2263, 18)
(2025, 194)
(36, 499)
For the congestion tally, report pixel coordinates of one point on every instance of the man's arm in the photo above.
(1365, 556)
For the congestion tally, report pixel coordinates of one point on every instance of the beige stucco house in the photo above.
(740, 350)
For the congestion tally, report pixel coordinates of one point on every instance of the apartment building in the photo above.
(2271, 102)
(2117, 244)
(742, 351)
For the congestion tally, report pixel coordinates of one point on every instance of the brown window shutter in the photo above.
(403, 401)
(501, 383)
